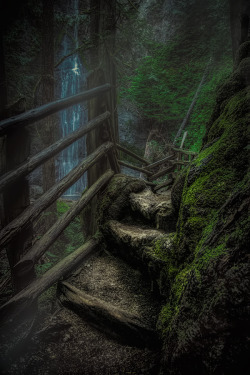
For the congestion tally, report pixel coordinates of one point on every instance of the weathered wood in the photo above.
(164, 184)
(159, 162)
(50, 151)
(183, 139)
(27, 296)
(184, 151)
(161, 173)
(179, 162)
(39, 113)
(128, 152)
(32, 212)
(51, 235)
(134, 167)
(116, 322)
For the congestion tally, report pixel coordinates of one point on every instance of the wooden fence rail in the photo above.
(110, 149)
(24, 299)
(45, 110)
(38, 159)
(51, 235)
(32, 212)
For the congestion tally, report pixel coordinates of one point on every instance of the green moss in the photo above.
(210, 190)
(204, 235)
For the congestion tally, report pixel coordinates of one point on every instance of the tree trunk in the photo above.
(103, 25)
(45, 95)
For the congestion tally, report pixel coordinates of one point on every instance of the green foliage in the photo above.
(165, 80)
(211, 225)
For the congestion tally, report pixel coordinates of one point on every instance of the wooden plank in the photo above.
(51, 235)
(50, 151)
(161, 173)
(22, 300)
(110, 319)
(39, 113)
(32, 212)
(128, 152)
(134, 167)
(159, 162)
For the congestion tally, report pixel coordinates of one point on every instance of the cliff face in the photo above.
(205, 321)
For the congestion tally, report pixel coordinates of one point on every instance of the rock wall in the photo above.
(204, 323)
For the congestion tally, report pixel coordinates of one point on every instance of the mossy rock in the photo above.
(244, 52)
(203, 323)
(114, 201)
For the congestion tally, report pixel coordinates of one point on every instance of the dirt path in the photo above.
(64, 343)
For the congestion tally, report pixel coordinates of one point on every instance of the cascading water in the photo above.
(71, 80)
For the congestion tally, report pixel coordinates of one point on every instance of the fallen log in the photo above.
(24, 299)
(32, 212)
(48, 109)
(50, 151)
(51, 235)
(120, 324)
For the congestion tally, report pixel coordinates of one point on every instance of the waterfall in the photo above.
(71, 77)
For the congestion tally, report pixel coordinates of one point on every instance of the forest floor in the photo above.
(61, 342)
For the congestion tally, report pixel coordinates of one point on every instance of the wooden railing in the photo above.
(23, 267)
(176, 159)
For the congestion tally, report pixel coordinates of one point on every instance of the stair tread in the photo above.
(133, 234)
(150, 204)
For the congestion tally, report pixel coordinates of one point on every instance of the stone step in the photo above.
(137, 245)
(157, 208)
(120, 324)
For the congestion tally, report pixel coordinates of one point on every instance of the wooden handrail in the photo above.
(51, 235)
(163, 184)
(50, 151)
(161, 173)
(184, 151)
(126, 151)
(32, 212)
(134, 167)
(159, 162)
(45, 110)
(27, 296)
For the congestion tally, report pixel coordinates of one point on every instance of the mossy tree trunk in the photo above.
(103, 25)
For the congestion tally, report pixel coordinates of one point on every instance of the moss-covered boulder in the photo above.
(205, 321)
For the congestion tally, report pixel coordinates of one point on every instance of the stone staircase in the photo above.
(112, 292)
(106, 319)
(129, 235)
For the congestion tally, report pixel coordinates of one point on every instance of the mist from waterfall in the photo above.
(71, 77)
